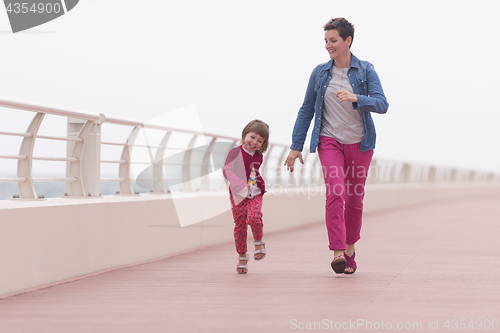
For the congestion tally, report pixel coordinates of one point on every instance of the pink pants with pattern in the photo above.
(247, 212)
(345, 169)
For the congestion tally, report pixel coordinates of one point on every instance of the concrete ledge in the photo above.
(46, 242)
(380, 197)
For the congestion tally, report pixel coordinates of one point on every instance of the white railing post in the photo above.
(158, 174)
(25, 166)
(125, 165)
(405, 176)
(302, 171)
(186, 166)
(206, 166)
(263, 169)
(279, 178)
(373, 176)
(87, 168)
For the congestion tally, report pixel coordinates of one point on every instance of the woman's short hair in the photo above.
(344, 28)
(259, 127)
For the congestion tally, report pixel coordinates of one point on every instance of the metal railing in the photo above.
(83, 160)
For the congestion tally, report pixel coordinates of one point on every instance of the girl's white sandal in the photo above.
(243, 269)
(263, 250)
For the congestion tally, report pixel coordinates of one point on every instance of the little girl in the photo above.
(246, 188)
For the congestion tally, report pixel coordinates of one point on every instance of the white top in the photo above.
(253, 189)
(340, 121)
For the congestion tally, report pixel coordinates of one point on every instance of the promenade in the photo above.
(425, 268)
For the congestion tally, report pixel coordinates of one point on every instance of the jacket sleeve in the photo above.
(375, 101)
(305, 115)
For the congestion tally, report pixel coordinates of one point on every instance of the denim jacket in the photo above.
(365, 84)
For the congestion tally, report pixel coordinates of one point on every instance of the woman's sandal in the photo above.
(338, 264)
(263, 250)
(350, 264)
(243, 269)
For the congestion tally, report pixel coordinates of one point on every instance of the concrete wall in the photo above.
(46, 242)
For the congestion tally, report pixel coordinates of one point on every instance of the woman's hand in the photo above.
(290, 160)
(344, 95)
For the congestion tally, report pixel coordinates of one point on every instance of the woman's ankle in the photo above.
(337, 253)
(350, 250)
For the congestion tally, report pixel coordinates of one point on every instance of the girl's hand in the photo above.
(290, 160)
(344, 95)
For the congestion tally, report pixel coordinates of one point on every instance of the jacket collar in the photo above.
(327, 66)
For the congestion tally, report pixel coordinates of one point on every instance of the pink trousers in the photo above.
(345, 169)
(247, 213)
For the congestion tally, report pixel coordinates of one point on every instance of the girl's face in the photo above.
(335, 45)
(253, 141)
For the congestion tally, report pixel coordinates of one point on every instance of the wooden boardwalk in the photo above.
(420, 269)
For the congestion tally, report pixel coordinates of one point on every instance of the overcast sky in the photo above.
(237, 61)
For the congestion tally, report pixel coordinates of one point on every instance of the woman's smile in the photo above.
(335, 45)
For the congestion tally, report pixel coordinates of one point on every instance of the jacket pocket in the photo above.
(363, 87)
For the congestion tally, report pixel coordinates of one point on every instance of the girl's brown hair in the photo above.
(259, 127)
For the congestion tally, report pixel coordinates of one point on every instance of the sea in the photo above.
(58, 189)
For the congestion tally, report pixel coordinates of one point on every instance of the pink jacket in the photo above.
(238, 167)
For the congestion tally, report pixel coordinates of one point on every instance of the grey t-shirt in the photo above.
(340, 121)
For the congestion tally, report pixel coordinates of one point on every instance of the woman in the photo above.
(341, 95)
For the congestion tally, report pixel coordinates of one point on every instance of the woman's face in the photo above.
(335, 45)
